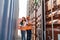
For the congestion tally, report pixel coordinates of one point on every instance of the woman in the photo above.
(22, 25)
(29, 28)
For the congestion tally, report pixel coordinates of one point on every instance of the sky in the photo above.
(22, 11)
(22, 8)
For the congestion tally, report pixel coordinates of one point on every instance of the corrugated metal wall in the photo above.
(8, 16)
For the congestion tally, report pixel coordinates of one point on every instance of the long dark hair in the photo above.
(24, 19)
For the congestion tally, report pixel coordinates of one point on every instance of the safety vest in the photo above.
(22, 26)
(28, 27)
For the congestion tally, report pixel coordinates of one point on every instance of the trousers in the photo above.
(23, 35)
(29, 34)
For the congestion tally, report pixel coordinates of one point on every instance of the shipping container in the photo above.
(8, 16)
(52, 13)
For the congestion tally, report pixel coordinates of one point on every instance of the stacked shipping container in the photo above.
(8, 17)
(35, 13)
(52, 19)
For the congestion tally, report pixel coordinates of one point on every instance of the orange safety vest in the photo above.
(22, 28)
(27, 27)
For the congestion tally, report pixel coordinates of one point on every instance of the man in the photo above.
(29, 28)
